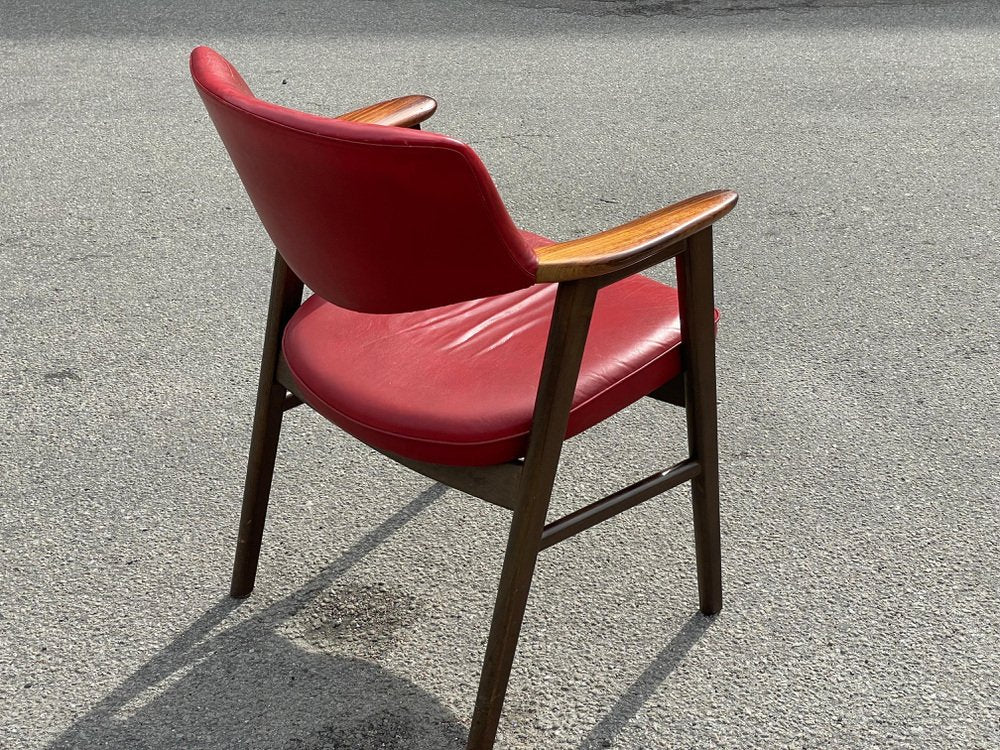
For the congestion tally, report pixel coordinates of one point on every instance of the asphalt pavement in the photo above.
(859, 351)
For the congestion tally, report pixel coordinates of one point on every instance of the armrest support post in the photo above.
(697, 305)
(563, 354)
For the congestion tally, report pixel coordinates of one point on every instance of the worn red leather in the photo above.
(457, 384)
(427, 332)
(373, 218)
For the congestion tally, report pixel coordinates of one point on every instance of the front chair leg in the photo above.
(695, 289)
(286, 295)
(707, 535)
(508, 614)
(571, 315)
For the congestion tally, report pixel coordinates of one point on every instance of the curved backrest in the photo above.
(373, 218)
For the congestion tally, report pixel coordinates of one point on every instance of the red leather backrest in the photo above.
(372, 218)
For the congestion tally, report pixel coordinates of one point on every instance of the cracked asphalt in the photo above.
(859, 348)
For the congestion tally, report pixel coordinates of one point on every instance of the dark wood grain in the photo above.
(671, 392)
(695, 291)
(617, 502)
(560, 368)
(283, 375)
(286, 296)
(495, 484)
(631, 244)
(402, 112)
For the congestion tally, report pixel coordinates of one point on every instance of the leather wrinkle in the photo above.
(431, 357)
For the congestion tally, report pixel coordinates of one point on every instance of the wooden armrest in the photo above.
(403, 112)
(630, 244)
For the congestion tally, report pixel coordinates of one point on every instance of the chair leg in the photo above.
(257, 488)
(694, 277)
(508, 615)
(286, 295)
(705, 500)
(563, 354)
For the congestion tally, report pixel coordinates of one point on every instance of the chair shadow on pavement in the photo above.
(635, 696)
(261, 683)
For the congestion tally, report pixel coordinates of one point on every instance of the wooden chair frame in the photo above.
(525, 486)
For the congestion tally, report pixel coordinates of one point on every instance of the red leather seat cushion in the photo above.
(456, 384)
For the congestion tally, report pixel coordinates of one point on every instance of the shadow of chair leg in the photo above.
(640, 691)
(290, 605)
(209, 645)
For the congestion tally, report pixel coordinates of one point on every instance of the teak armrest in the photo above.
(402, 112)
(632, 243)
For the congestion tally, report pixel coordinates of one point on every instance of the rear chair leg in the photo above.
(257, 489)
(286, 295)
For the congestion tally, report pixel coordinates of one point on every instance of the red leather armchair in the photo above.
(461, 346)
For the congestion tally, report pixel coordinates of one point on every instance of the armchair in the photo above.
(448, 339)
